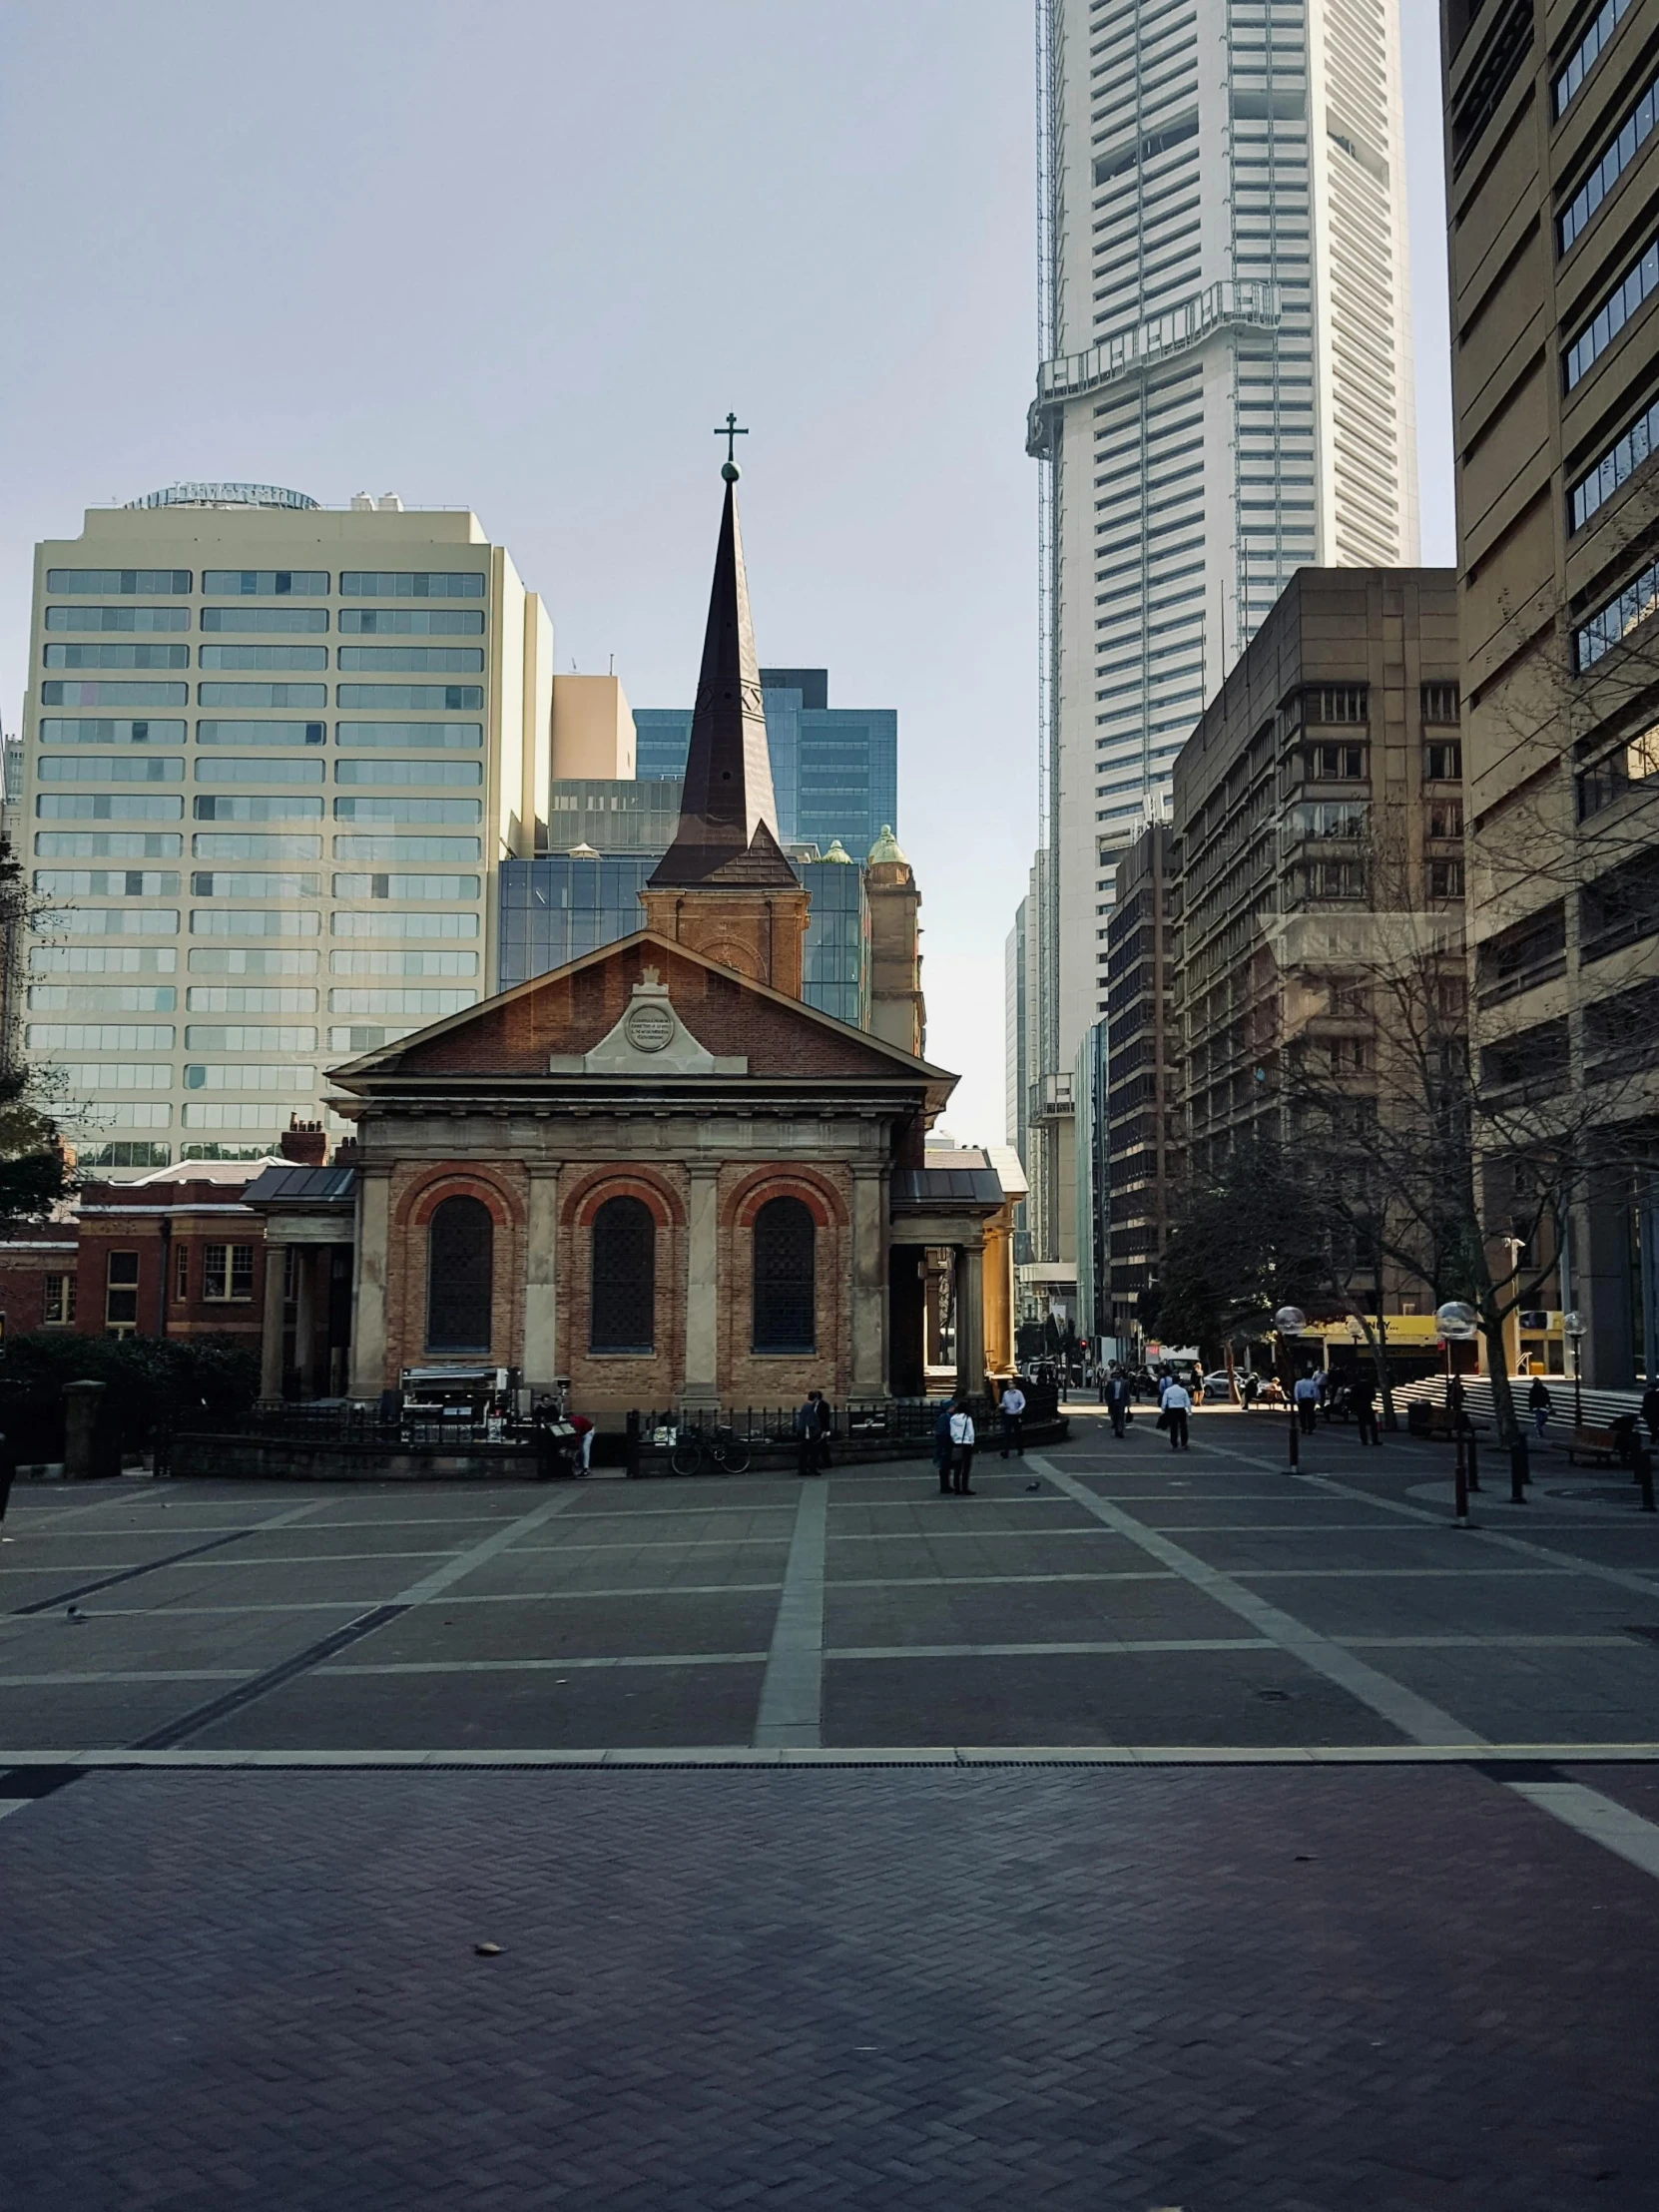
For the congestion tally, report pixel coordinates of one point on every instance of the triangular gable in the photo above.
(567, 1013)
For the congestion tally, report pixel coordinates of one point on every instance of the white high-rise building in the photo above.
(1225, 396)
(272, 755)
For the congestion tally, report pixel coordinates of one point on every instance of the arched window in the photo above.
(460, 1276)
(784, 1277)
(623, 1309)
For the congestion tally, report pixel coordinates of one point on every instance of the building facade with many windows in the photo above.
(273, 755)
(1554, 246)
(1223, 396)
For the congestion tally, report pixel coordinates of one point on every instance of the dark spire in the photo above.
(728, 831)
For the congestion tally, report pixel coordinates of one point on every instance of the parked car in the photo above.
(1217, 1386)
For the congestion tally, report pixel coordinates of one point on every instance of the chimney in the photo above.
(304, 1143)
(345, 1153)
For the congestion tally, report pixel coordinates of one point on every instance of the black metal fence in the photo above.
(644, 1444)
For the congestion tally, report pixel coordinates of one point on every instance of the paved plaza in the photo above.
(1146, 1830)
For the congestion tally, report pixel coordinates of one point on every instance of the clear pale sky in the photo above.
(522, 255)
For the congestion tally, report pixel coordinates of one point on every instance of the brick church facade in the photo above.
(656, 1172)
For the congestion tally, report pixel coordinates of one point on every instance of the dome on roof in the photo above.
(886, 847)
(837, 852)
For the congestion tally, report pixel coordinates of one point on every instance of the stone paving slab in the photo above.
(1269, 1992)
(675, 1707)
(1259, 1696)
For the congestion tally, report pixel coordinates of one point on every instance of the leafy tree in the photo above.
(33, 1172)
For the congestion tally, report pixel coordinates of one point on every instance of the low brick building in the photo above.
(656, 1171)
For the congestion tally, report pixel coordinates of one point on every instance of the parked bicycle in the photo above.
(723, 1449)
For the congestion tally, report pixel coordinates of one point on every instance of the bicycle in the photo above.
(724, 1450)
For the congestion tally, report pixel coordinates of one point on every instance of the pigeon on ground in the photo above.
(1033, 1485)
(75, 1614)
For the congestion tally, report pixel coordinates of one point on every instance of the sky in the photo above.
(522, 255)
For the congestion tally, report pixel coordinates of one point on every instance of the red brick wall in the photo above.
(749, 1378)
(23, 1273)
(418, 1188)
(608, 1383)
(192, 1315)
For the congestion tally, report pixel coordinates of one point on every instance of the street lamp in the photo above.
(1290, 1321)
(1572, 1328)
(1457, 1323)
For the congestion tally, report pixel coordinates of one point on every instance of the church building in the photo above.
(656, 1172)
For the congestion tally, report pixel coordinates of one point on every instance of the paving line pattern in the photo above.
(791, 1711)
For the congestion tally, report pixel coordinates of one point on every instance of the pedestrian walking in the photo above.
(941, 1446)
(1306, 1395)
(811, 1434)
(1116, 1395)
(1013, 1421)
(1539, 1405)
(1361, 1397)
(1178, 1404)
(962, 1451)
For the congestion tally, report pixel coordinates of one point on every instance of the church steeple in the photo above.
(728, 830)
(724, 886)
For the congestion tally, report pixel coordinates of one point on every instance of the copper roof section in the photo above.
(728, 831)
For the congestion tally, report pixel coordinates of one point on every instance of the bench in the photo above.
(1603, 1447)
(1434, 1422)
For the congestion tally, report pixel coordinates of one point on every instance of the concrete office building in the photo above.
(834, 769)
(1554, 171)
(1143, 1135)
(273, 754)
(1223, 396)
(1319, 826)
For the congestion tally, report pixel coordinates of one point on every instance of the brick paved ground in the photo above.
(1354, 1988)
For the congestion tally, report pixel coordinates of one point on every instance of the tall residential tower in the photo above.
(1223, 396)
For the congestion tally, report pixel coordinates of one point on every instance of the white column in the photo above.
(305, 1319)
(869, 1271)
(540, 1357)
(702, 1384)
(368, 1302)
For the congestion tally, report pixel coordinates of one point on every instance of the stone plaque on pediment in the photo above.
(649, 1040)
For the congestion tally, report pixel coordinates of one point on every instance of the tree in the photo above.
(1243, 1244)
(33, 1174)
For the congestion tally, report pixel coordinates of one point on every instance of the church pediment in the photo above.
(642, 1010)
(649, 1040)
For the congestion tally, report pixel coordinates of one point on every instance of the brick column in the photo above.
(369, 1309)
(540, 1360)
(869, 1373)
(271, 1322)
(701, 1387)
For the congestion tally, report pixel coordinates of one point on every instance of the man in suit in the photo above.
(1117, 1400)
(812, 1422)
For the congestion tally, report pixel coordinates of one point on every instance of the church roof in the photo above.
(728, 830)
(511, 1038)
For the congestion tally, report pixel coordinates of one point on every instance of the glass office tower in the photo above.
(834, 769)
(273, 754)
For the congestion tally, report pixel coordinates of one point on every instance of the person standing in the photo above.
(1540, 1405)
(962, 1451)
(1361, 1396)
(1178, 1404)
(1013, 1420)
(1116, 1395)
(942, 1445)
(810, 1426)
(1306, 1395)
(1650, 1410)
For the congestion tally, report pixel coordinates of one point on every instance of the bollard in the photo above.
(81, 1456)
(1296, 1432)
(1460, 1484)
(1474, 1462)
(633, 1445)
(1645, 1476)
(1517, 1471)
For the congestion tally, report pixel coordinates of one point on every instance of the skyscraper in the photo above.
(1223, 395)
(273, 754)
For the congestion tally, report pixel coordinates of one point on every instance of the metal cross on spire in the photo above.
(731, 434)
